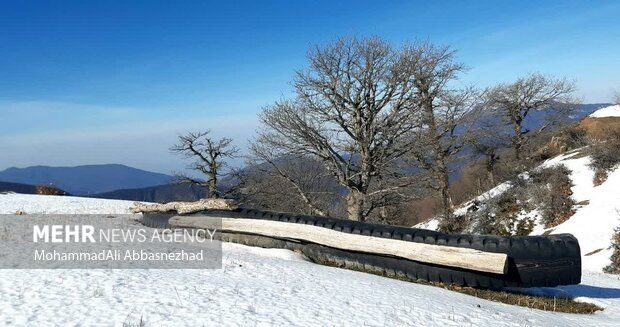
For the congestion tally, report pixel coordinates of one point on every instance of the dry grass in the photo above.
(529, 301)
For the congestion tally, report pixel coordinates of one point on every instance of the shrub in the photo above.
(453, 224)
(614, 267)
(551, 191)
(605, 156)
(570, 138)
(49, 190)
(502, 215)
(547, 190)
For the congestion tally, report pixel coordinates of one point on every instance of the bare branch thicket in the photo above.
(209, 156)
(447, 115)
(290, 184)
(354, 113)
(534, 93)
(616, 98)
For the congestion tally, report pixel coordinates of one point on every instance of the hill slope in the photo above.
(593, 222)
(597, 212)
(85, 180)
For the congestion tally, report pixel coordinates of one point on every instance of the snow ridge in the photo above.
(611, 111)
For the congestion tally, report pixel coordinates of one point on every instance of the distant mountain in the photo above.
(159, 194)
(85, 180)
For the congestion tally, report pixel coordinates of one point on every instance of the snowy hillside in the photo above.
(595, 218)
(597, 212)
(611, 111)
(594, 221)
(258, 286)
(10, 203)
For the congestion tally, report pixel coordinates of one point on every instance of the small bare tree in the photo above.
(617, 98)
(210, 156)
(354, 113)
(535, 92)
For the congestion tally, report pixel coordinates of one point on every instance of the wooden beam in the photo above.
(435, 254)
(186, 207)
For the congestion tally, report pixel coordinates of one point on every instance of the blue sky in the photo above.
(114, 81)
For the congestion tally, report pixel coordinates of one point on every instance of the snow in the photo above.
(260, 287)
(432, 224)
(593, 223)
(11, 203)
(581, 175)
(270, 287)
(611, 111)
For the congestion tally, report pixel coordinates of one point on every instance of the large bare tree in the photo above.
(354, 113)
(535, 92)
(209, 156)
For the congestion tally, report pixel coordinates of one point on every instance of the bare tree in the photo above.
(617, 98)
(210, 156)
(354, 113)
(535, 92)
(488, 141)
(446, 114)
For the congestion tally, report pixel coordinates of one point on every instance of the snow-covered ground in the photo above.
(268, 287)
(611, 111)
(260, 287)
(10, 203)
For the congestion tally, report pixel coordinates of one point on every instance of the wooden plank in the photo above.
(435, 254)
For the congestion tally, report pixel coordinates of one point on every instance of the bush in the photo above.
(605, 156)
(49, 190)
(453, 224)
(614, 267)
(502, 215)
(552, 194)
(570, 138)
(547, 190)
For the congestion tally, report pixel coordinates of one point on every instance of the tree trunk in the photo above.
(490, 167)
(517, 142)
(446, 198)
(355, 205)
(441, 169)
(213, 187)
